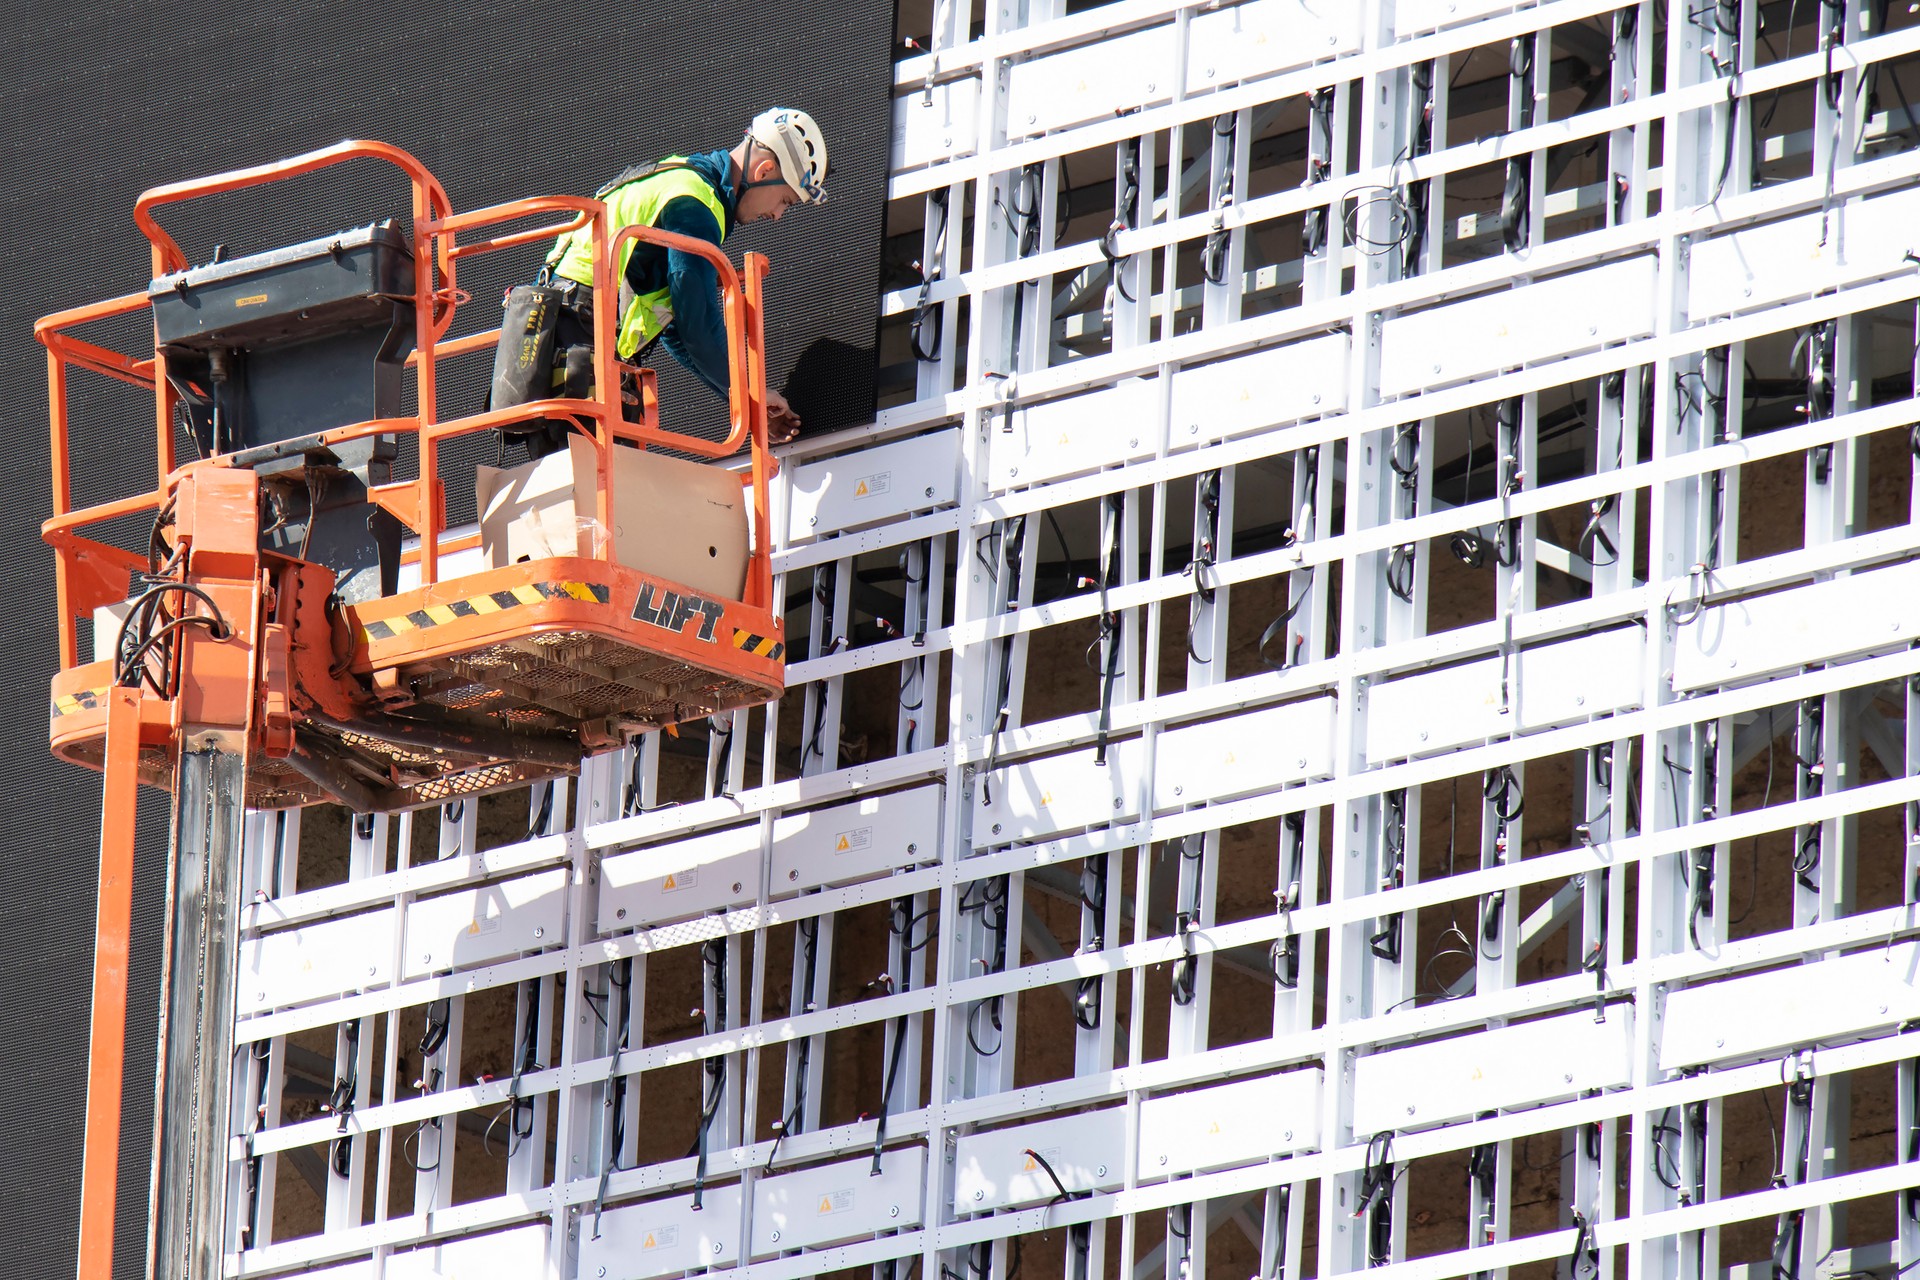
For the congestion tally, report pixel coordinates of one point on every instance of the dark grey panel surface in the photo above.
(501, 99)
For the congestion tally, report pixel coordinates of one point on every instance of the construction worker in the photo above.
(666, 296)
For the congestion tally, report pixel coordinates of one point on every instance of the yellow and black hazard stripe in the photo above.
(477, 606)
(85, 700)
(759, 646)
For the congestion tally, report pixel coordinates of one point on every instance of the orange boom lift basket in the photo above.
(452, 686)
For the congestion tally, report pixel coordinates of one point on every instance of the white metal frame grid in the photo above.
(1644, 684)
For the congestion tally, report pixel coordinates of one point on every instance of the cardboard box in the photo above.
(684, 521)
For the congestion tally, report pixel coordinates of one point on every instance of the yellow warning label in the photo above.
(849, 841)
(826, 1204)
(860, 490)
(1231, 758)
(650, 1242)
(1215, 1128)
(1029, 1166)
(669, 884)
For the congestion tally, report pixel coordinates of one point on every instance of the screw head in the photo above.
(620, 913)
(979, 1195)
(1100, 1171)
(913, 848)
(996, 828)
(1163, 1159)
(893, 1211)
(716, 1248)
(539, 933)
(736, 886)
(794, 874)
(373, 970)
(775, 1237)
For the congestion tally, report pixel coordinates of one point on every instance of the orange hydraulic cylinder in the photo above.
(106, 1062)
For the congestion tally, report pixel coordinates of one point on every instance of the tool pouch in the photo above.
(523, 363)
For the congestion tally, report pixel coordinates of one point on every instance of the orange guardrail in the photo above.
(90, 572)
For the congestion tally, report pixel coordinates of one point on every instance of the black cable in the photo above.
(724, 766)
(1093, 903)
(1277, 628)
(537, 826)
(1186, 973)
(1419, 194)
(1066, 552)
(1012, 535)
(1660, 1130)
(900, 923)
(796, 1115)
(1808, 756)
(1507, 415)
(630, 799)
(1112, 511)
(992, 906)
(1788, 1227)
(713, 963)
(929, 276)
(1376, 1198)
(138, 635)
(1501, 789)
(1385, 943)
(1515, 198)
(410, 1145)
(1205, 550)
(1125, 213)
(1028, 220)
(343, 1099)
(1213, 255)
(1594, 537)
(439, 1013)
(1313, 224)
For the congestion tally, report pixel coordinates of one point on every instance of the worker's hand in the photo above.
(783, 424)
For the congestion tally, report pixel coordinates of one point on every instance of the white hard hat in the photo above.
(797, 146)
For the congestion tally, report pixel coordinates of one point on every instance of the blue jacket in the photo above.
(697, 337)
